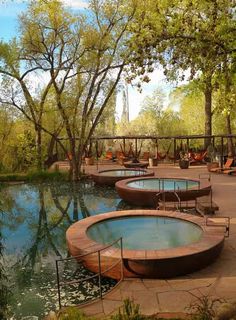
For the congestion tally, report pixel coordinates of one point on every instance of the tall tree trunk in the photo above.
(75, 202)
(228, 84)
(39, 147)
(230, 140)
(208, 111)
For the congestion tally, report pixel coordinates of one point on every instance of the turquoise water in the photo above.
(122, 173)
(34, 221)
(162, 184)
(146, 233)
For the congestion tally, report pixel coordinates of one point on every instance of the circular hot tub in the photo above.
(144, 191)
(110, 177)
(156, 244)
(156, 232)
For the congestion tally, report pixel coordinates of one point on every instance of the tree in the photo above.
(83, 57)
(184, 36)
(155, 119)
(189, 99)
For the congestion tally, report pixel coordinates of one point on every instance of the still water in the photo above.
(163, 184)
(157, 233)
(122, 173)
(34, 221)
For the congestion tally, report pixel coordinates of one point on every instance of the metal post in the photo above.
(211, 197)
(99, 274)
(222, 153)
(187, 144)
(58, 285)
(121, 257)
(97, 153)
(174, 150)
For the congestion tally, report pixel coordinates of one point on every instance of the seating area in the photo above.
(227, 168)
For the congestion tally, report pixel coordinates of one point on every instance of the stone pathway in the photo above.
(174, 295)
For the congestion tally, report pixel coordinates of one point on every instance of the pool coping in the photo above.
(79, 242)
(111, 180)
(148, 197)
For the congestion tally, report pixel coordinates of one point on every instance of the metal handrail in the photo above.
(85, 254)
(158, 195)
(99, 274)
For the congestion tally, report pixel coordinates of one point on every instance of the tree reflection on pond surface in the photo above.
(34, 221)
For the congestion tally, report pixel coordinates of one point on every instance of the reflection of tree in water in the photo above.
(48, 230)
(92, 199)
(5, 292)
(53, 209)
(122, 205)
(4, 285)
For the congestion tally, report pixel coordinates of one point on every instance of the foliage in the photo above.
(226, 311)
(190, 101)
(5, 292)
(72, 313)
(155, 119)
(203, 308)
(34, 176)
(184, 156)
(39, 176)
(185, 37)
(130, 311)
(81, 56)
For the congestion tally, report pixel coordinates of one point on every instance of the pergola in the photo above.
(175, 139)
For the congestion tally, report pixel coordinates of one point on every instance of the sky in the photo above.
(10, 9)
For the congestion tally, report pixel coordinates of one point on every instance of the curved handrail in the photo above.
(98, 274)
(159, 196)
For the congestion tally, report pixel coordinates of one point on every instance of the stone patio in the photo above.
(218, 280)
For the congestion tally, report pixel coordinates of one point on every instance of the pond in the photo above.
(34, 221)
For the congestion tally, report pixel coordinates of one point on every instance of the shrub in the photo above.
(72, 313)
(46, 176)
(129, 311)
(203, 308)
(226, 311)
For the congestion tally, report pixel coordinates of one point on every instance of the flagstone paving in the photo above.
(218, 280)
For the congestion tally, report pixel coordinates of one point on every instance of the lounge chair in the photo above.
(226, 167)
(231, 172)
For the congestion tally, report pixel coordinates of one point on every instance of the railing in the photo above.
(96, 275)
(161, 196)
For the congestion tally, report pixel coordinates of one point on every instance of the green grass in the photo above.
(34, 176)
